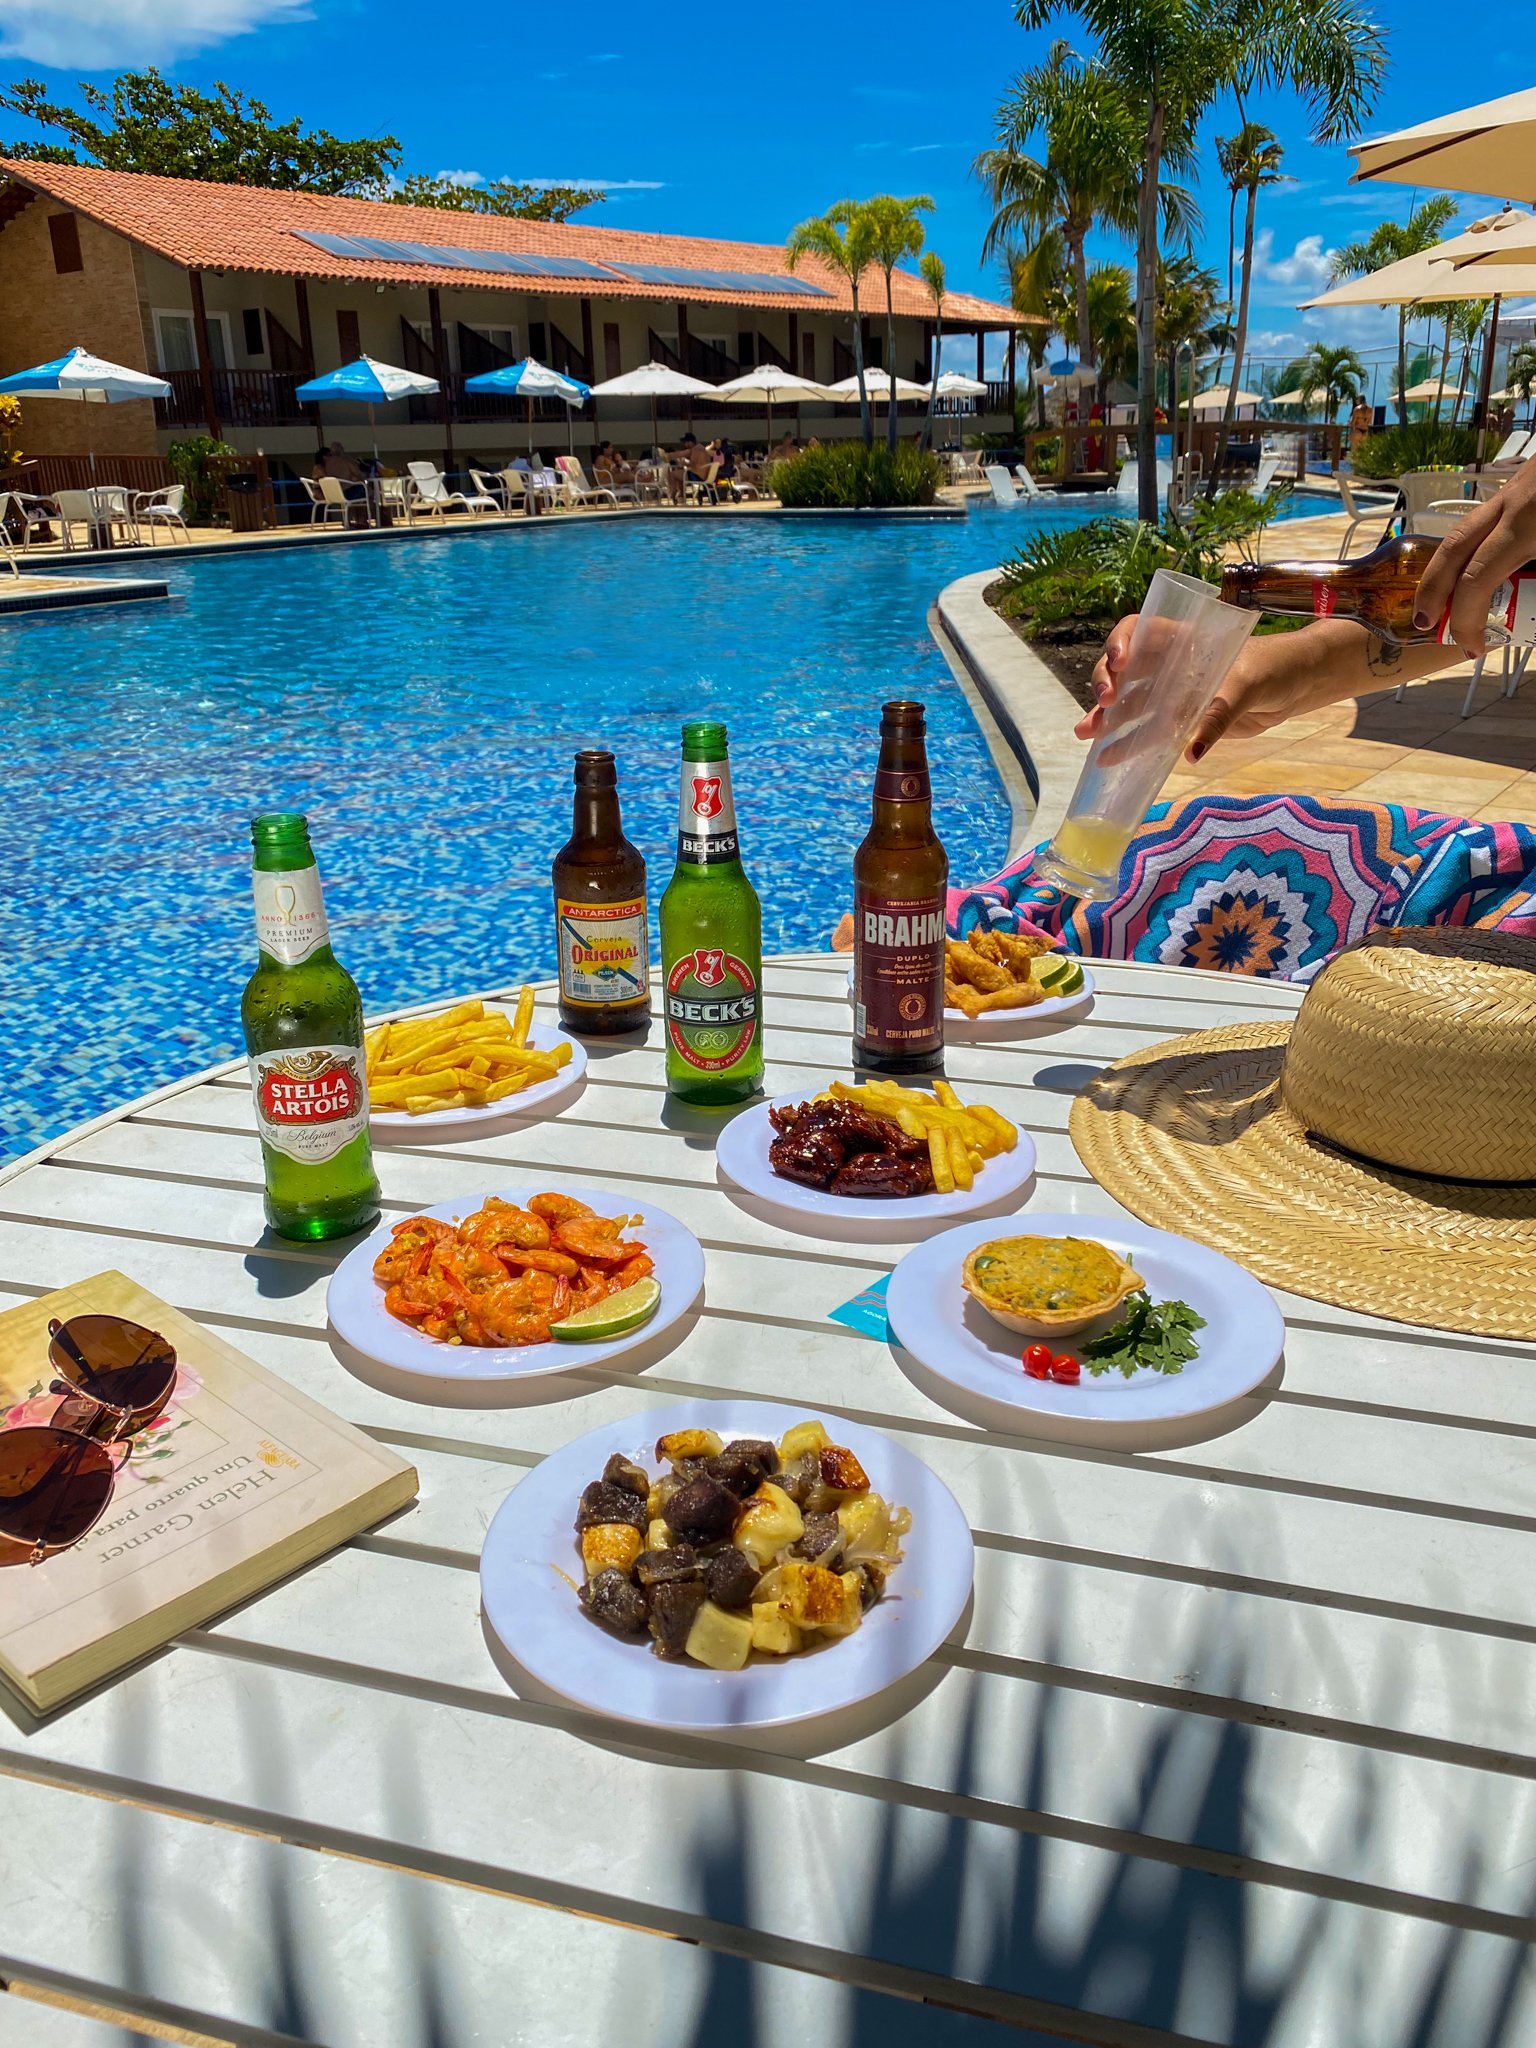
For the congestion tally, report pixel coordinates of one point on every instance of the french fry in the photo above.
(510, 1086)
(947, 1096)
(374, 1042)
(1006, 1133)
(959, 1162)
(938, 1159)
(394, 1090)
(524, 1016)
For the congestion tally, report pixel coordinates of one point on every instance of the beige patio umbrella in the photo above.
(1430, 389)
(1487, 148)
(1215, 400)
(1506, 237)
(1302, 398)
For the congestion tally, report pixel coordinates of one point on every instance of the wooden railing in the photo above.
(241, 398)
(481, 405)
(43, 475)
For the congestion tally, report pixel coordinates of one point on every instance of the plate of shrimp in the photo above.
(468, 1290)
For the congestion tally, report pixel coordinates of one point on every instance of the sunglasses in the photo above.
(57, 1477)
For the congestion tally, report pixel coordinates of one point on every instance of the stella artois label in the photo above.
(706, 814)
(898, 972)
(712, 1008)
(290, 914)
(604, 954)
(311, 1101)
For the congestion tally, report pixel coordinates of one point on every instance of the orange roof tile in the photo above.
(247, 227)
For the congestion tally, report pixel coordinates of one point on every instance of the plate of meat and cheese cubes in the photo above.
(725, 1565)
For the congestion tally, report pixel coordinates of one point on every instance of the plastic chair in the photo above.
(430, 491)
(1364, 509)
(35, 515)
(165, 507)
(319, 508)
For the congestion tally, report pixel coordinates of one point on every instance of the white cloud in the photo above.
(1307, 269)
(82, 35)
(598, 184)
(461, 177)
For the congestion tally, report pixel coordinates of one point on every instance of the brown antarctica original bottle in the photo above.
(900, 873)
(600, 919)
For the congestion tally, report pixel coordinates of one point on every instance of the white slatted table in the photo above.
(1237, 1748)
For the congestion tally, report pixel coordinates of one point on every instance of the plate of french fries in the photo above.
(469, 1065)
(966, 1159)
(999, 984)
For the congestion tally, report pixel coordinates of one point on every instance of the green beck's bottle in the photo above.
(303, 1022)
(711, 937)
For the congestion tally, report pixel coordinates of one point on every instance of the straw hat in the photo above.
(1379, 1153)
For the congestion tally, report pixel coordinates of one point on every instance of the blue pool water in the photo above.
(422, 703)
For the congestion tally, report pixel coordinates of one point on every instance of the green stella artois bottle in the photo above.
(303, 1022)
(711, 937)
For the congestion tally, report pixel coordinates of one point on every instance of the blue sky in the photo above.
(702, 130)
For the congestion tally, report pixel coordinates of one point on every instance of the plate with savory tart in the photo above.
(516, 1283)
(876, 1152)
(1083, 1327)
(725, 1565)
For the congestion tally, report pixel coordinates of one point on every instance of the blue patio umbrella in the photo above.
(79, 375)
(531, 379)
(367, 383)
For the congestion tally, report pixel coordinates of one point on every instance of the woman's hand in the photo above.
(1255, 695)
(1481, 550)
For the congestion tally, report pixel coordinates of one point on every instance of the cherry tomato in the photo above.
(1065, 1369)
(1037, 1361)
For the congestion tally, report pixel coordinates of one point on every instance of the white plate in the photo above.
(536, 1614)
(535, 1101)
(1010, 1023)
(933, 1318)
(741, 1152)
(354, 1301)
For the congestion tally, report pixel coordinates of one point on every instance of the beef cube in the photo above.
(741, 1473)
(731, 1578)
(602, 1502)
(612, 1598)
(622, 1471)
(690, 1468)
(799, 1476)
(673, 1566)
(871, 1584)
(671, 1610)
(760, 1447)
(822, 1538)
(703, 1511)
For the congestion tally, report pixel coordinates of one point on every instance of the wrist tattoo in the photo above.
(1382, 655)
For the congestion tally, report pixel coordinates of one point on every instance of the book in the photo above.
(240, 1481)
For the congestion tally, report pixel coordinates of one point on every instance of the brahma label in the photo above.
(898, 972)
(712, 1008)
(902, 786)
(290, 914)
(603, 951)
(312, 1102)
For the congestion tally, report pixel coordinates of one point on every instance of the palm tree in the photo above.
(1111, 320)
(1336, 375)
(898, 232)
(931, 270)
(1173, 61)
(1390, 242)
(1467, 319)
(1520, 371)
(1248, 159)
(844, 238)
(1187, 298)
(1036, 281)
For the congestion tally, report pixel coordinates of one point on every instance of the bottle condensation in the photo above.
(900, 874)
(711, 936)
(1379, 589)
(303, 1023)
(601, 938)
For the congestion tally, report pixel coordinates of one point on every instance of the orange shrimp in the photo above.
(640, 1267)
(499, 1223)
(594, 1240)
(406, 1240)
(556, 1208)
(515, 1259)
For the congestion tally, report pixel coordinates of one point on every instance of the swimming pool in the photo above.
(422, 702)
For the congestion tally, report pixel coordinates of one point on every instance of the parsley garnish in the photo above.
(1156, 1334)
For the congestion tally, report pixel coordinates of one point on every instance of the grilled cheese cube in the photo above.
(812, 1597)
(841, 1471)
(720, 1640)
(805, 1436)
(773, 1632)
(658, 1536)
(609, 1543)
(689, 1443)
(866, 1526)
(767, 1522)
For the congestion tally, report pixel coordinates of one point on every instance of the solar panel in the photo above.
(453, 256)
(333, 245)
(721, 280)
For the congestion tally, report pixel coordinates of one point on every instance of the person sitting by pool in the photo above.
(697, 462)
(1285, 675)
(335, 461)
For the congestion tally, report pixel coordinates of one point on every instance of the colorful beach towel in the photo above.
(1273, 885)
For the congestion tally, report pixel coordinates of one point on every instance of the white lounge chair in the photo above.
(430, 493)
(1364, 509)
(1516, 447)
(1005, 491)
(32, 514)
(1028, 488)
(574, 487)
(165, 507)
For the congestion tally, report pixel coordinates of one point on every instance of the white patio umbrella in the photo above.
(878, 385)
(87, 379)
(652, 381)
(767, 383)
(1487, 148)
(955, 384)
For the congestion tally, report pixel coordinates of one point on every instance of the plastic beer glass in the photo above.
(1185, 642)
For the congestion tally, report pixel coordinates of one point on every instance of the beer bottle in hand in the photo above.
(600, 928)
(899, 877)
(711, 936)
(1379, 589)
(303, 1022)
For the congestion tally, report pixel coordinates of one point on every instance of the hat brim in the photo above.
(1193, 1135)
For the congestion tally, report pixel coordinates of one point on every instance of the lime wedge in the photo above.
(1058, 974)
(626, 1310)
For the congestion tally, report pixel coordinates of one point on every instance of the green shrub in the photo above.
(847, 475)
(1075, 582)
(189, 461)
(1422, 444)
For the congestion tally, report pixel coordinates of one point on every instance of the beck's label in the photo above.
(604, 957)
(310, 1101)
(898, 972)
(712, 1008)
(706, 814)
(290, 914)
